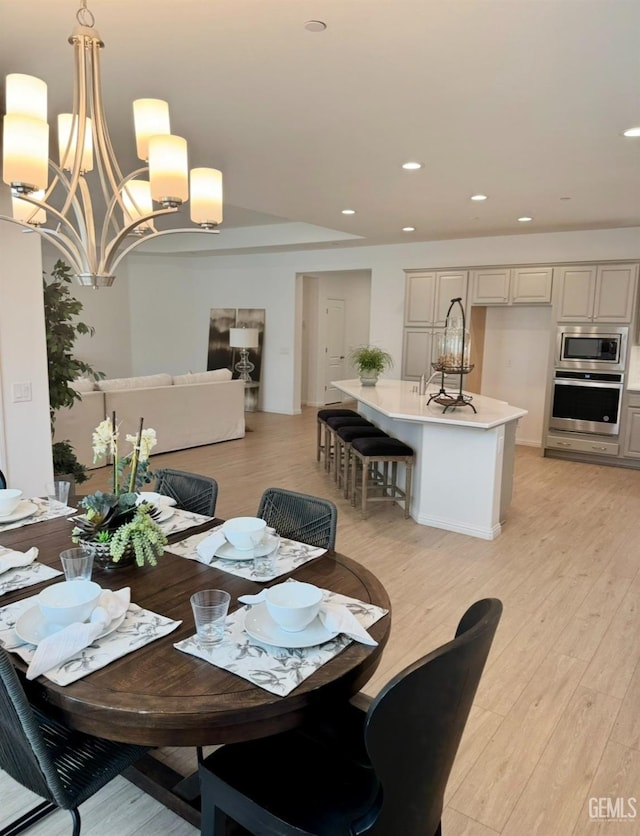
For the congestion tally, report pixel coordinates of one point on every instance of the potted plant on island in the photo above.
(120, 529)
(370, 361)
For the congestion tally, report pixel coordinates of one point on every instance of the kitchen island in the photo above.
(463, 472)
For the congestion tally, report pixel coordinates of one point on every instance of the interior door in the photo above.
(334, 350)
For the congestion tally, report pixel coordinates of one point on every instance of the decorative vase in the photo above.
(368, 378)
(102, 556)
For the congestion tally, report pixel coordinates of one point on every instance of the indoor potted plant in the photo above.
(119, 528)
(370, 361)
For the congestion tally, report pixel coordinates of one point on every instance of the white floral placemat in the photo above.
(181, 520)
(44, 512)
(29, 575)
(277, 669)
(139, 627)
(291, 554)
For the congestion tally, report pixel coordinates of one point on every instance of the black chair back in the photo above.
(299, 516)
(191, 491)
(3, 481)
(415, 724)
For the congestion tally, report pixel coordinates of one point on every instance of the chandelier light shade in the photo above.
(94, 243)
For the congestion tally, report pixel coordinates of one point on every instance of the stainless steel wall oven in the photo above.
(586, 401)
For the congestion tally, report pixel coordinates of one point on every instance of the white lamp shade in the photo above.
(206, 196)
(26, 148)
(27, 95)
(136, 196)
(244, 337)
(22, 210)
(168, 168)
(150, 118)
(68, 141)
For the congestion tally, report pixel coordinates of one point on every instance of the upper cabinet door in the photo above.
(449, 286)
(419, 302)
(490, 287)
(615, 292)
(575, 292)
(530, 285)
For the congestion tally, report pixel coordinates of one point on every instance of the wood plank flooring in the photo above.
(557, 716)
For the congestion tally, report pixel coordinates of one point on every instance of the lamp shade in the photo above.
(136, 196)
(68, 140)
(206, 196)
(150, 118)
(27, 95)
(22, 210)
(26, 146)
(244, 337)
(168, 169)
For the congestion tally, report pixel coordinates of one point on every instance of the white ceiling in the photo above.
(523, 100)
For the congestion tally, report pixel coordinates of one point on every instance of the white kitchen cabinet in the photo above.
(631, 437)
(429, 294)
(583, 445)
(417, 352)
(595, 293)
(511, 286)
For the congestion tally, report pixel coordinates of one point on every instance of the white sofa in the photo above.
(185, 410)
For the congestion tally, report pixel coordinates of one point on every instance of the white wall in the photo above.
(515, 366)
(25, 434)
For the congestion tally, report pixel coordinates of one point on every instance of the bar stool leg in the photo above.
(365, 482)
(407, 489)
(318, 440)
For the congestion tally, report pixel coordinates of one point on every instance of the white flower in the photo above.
(104, 439)
(148, 441)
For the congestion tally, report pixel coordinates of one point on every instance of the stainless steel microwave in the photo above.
(591, 347)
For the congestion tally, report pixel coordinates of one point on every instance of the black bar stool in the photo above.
(323, 414)
(344, 437)
(367, 455)
(334, 423)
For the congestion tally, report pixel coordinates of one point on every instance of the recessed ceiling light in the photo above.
(315, 26)
(408, 229)
(411, 166)
(632, 132)
(525, 219)
(478, 197)
(348, 211)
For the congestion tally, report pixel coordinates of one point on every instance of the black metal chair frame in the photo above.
(191, 491)
(62, 766)
(301, 517)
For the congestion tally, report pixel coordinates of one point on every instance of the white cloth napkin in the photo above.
(154, 498)
(57, 648)
(14, 560)
(335, 617)
(208, 547)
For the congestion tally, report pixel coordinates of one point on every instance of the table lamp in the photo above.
(244, 339)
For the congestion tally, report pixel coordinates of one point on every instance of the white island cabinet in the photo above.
(463, 473)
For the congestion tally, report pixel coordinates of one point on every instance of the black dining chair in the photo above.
(382, 772)
(299, 516)
(62, 766)
(191, 491)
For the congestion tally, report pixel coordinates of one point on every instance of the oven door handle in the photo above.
(588, 384)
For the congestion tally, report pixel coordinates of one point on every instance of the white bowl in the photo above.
(244, 532)
(68, 602)
(293, 605)
(9, 501)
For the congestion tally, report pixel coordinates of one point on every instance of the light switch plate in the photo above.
(21, 392)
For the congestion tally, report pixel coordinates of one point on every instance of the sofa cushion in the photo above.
(83, 384)
(202, 377)
(144, 382)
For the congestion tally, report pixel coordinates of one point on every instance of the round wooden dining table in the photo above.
(159, 696)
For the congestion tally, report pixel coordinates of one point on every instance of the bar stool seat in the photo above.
(344, 437)
(378, 485)
(322, 416)
(333, 423)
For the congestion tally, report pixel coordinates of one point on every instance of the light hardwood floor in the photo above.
(556, 719)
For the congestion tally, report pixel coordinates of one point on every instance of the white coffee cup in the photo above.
(244, 532)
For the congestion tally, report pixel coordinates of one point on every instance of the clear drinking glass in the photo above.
(210, 607)
(264, 557)
(77, 564)
(57, 494)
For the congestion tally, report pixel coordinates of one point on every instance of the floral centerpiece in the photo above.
(116, 526)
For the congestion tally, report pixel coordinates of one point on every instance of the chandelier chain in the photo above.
(84, 16)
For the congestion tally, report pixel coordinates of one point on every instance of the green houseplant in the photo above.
(370, 361)
(62, 327)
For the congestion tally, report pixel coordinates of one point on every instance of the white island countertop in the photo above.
(397, 399)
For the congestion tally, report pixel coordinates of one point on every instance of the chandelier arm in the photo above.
(118, 258)
(61, 242)
(115, 202)
(79, 234)
(72, 236)
(108, 264)
(79, 113)
(90, 230)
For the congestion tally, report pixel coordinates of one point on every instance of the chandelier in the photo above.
(95, 245)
